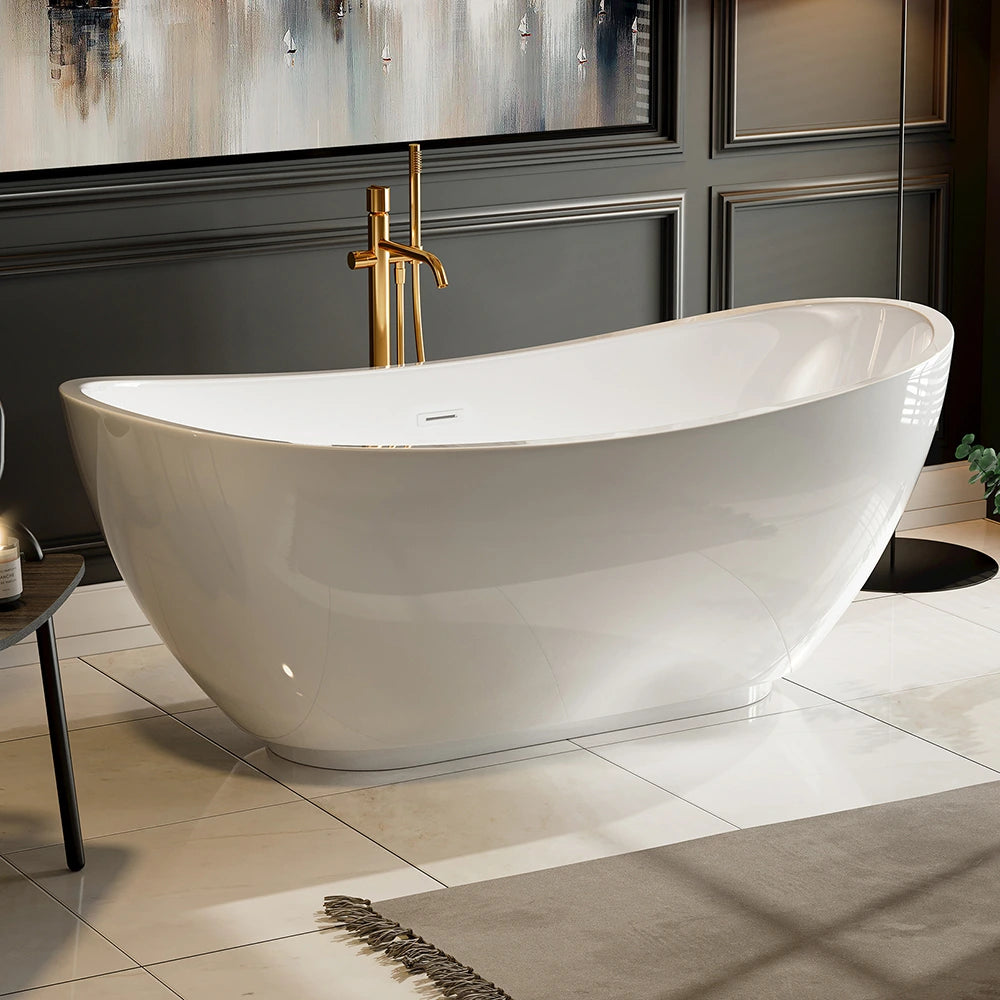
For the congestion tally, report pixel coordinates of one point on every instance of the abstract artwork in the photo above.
(103, 82)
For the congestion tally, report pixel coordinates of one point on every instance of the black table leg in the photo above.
(59, 737)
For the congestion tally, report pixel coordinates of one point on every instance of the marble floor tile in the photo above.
(136, 984)
(784, 697)
(216, 726)
(467, 826)
(26, 651)
(894, 644)
(962, 716)
(42, 942)
(128, 775)
(304, 967)
(981, 602)
(91, 699)
(189, 888)
(153, 673)
(313, 782)
(796, 764)
(110, 604)
(982, 534)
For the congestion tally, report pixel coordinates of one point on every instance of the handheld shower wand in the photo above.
(418, 323)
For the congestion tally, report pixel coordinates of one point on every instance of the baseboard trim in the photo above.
(943, 495)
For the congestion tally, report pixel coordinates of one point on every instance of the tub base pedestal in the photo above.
(390, 758)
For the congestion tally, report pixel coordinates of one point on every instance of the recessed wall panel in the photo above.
(521, 289)
(813, 250)
(828, 68)
(829, 240)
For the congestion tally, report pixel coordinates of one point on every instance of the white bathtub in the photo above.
(379, 568)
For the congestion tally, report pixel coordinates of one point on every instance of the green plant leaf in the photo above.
(962, 450)
(974, 478)
(968, 439)
(983, 462)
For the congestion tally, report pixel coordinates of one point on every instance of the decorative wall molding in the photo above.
(668, 206)
(726, 90)
(343, 234)
(727, 202)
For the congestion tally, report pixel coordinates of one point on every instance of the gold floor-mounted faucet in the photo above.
(385, 261)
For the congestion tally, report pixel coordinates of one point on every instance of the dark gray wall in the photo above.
(240, 266)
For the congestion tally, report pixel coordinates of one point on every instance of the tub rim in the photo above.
(942, 340)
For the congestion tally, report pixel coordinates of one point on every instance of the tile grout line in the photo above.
(178, 958)
(166, 986)
(81, 979)
(140, 829)
(708, 725)
(111, 677)
(900, 729)
(76, 916)
(304, 798)
(10, 859)
(157, 713)
(102, 631)
(239, 947)
(901, 691)
(107, 676)
(945, 611)
(71, 639)
(649, 781)
(298, 797)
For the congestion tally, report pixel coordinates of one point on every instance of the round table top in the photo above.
(46, 585)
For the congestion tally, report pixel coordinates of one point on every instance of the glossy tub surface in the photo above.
(379, 568)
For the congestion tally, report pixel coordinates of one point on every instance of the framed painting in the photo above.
(87, 83)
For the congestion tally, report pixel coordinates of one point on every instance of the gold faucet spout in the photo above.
(400, 251)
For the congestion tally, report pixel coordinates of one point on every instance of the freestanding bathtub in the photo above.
(379, 568)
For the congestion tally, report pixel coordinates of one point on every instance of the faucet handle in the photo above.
(378, 199)
(361, 258)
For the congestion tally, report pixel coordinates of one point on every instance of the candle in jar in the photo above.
(10, 571)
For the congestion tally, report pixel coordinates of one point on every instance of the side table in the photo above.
(47, 584)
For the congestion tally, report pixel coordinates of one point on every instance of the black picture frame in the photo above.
(663, 134)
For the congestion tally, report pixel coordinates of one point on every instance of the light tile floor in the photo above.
(208, 859)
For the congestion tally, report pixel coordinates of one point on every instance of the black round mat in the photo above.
(920, 565)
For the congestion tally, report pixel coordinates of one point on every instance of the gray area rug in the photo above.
(893, 901)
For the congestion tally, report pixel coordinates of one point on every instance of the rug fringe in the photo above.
(456, 981)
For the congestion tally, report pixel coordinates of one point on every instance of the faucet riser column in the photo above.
(378, 291)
